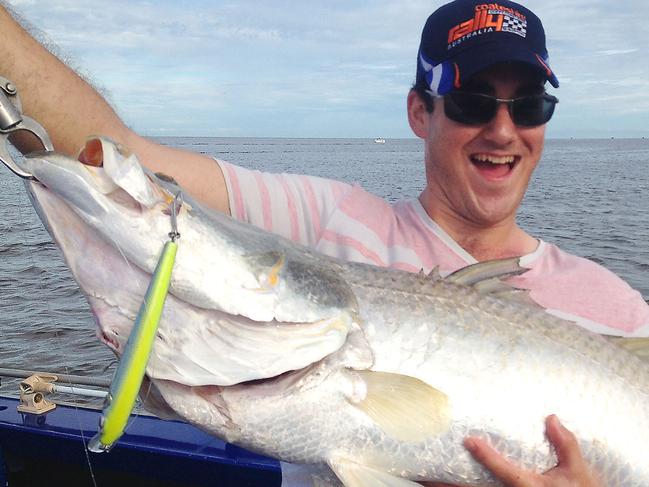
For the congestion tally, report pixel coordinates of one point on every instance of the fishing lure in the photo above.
(128, 377)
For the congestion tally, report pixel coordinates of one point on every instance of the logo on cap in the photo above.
(489, 17)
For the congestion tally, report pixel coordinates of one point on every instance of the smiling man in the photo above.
(479, 105)
(483, 68)
(478, 160)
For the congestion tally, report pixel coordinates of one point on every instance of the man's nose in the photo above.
(501, 128)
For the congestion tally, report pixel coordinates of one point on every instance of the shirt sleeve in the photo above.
(580, 290)
(294, 206)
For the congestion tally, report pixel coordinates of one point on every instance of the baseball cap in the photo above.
(464, 37)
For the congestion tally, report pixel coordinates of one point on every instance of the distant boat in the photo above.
(379, 140)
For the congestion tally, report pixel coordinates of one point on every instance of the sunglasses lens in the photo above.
(477, 108)
(531, 111)
(469, 108)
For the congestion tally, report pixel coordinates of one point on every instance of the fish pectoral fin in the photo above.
(405, 407)
(637, 346)
(353, 474)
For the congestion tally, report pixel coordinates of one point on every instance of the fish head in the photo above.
(235, 290)
(106, 181)
(92, 209)
(222, 264)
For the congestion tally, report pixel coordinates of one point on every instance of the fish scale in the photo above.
(538, 456)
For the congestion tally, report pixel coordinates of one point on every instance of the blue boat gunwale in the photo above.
(150, 446)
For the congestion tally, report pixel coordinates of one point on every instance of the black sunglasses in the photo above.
(470, 108)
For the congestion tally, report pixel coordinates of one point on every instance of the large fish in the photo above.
(375, 374)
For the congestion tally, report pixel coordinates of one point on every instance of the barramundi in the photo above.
(375, 375)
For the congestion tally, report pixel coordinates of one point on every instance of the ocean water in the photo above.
(591, 197)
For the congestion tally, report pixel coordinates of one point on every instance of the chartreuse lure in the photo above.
(129, 374)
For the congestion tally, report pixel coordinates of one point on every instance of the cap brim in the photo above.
(474, 60)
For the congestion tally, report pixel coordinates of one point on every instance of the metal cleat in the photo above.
(32, 394)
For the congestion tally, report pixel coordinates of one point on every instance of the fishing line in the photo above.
(66, 369)
(109, 365)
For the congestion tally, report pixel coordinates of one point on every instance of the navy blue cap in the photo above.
(464, 37)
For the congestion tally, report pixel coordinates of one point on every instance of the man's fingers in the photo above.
(564, 442)
(572, 468)
(499, 466)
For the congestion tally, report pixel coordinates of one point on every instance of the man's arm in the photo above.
(71, 110)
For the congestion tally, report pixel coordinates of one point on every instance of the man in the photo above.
(479, 106)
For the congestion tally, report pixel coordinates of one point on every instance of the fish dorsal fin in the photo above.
(487, 278)
(490, 269)
(638, 346)
(434, 274)
(405, 407)
(354, 474)
(500, 289)
(494, 286)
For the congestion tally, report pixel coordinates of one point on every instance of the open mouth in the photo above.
(494, 167)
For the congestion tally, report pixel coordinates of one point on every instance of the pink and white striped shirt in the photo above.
(347, 222)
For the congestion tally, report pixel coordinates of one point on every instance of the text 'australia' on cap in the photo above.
(464, 37)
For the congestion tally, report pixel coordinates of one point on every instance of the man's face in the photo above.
(479, 174)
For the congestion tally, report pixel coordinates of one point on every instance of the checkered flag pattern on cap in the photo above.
(463, 37)
(514, 25)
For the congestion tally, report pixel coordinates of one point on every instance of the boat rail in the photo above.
(152, 452)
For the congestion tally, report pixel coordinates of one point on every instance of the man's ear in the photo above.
(418, 116)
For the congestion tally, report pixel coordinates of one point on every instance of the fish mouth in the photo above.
(105, 178)
(494, 166)
(94, 262)
(108, 340)
(92, 153)
(105, 335)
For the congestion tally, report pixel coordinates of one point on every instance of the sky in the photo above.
(328, 68)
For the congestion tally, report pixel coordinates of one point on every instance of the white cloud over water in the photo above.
(312, 68)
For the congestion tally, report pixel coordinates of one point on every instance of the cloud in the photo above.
(615, 52)
(217, 62)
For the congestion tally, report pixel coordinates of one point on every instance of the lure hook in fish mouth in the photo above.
(175, 208)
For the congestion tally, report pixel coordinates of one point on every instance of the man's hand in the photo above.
(571, 471)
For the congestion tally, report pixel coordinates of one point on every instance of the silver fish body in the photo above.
(375, 373)
(504, 367)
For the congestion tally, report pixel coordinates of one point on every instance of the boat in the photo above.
(379, 140)
(50, 449)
